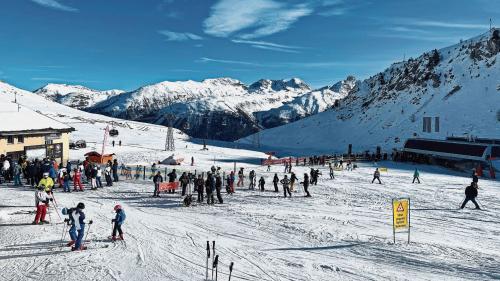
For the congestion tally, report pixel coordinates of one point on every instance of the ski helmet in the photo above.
(64, 211)
(118, 207)
(80, 206)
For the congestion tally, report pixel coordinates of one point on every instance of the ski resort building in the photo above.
(24, 132)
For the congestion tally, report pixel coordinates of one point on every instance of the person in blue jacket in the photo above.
(118, 221)
(79, 219)
(71, 222)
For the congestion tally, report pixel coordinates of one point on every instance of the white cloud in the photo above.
(253, 19)
(54, 4)
(204, 59)
(179, 36)
(429, 23)
(269, 46)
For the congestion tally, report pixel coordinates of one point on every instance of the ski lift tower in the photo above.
(169, 142)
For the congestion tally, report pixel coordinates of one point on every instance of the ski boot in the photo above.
(70, 243)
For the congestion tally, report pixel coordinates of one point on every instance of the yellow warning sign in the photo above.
(400, 213)
(383, 169)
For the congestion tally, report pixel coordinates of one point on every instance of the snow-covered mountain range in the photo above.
(221, 108)
(459, 84)
(75, 96)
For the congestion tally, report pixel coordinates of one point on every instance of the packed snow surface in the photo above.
(343, 232)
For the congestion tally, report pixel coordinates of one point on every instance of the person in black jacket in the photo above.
(470, 195)
(157, 179)
(262, 182)
(184, 179)
(199, 184)
(276, 180)
(218, 187)
(172, 176)
(286, 186)
(305, 183)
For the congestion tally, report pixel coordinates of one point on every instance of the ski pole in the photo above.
(62, 234)
(213, 256)
(230, 270)
(87, 234)
(208, 256)
(215, 264)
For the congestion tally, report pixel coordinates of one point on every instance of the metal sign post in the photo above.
(401, 217)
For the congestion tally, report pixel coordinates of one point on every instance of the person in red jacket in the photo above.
(77, 180)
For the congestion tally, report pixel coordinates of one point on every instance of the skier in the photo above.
(251, 177)
(184, 182)
(71, 222)
(241, 177)
(210, 186)
(470, 195)
(107, 175)
(47, 182)
(114, 167)
(231, 181)
(305, 183)
(77, 180)
(376, 176)
(286, 186)
(157, 179)
(17, 175)
(98, 177)
(42, 199)
(113, 143)
(172, 176)
(218, 187)
(475, 178)
(286, 167)
(332, 175)
(118, 222)
(293, 178)
(66, 178)
(276, 180)
(416, 175)
(153, 171)
(79, 218)
(93, 177)
(192, 161)
(262, 182)
(199, 184)
(269, 167)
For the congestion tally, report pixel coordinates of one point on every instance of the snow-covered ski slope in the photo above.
(459, 84)
(343, 232)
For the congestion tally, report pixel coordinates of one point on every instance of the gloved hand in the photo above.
(91, 221)
(66, 220)
(51, 199)
(113, 220)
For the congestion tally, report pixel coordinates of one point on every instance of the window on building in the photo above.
(20, 139)
(10, 139)
(436, 124)
(427, 122)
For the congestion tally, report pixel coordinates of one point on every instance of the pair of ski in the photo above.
(215, 263)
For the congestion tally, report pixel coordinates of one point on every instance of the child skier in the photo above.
(118, 222)
(71, 222)
(77, 179)
(42, 199)
(470, 195)
(79, 219)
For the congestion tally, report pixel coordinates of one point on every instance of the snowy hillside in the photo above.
(459, 84)
(220, 108)
(75, 96)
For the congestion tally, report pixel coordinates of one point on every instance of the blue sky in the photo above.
(129, 43)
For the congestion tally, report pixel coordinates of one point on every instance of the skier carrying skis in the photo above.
(376, 176)
(157, 179)
(251, 176)
(42, 199)
(305, 183)
(276, 180)
(470, 195)
(262, 182)
(118, 222)
(416, 175)
(286, 186)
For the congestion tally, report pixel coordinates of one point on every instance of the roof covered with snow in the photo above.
(23, 119)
